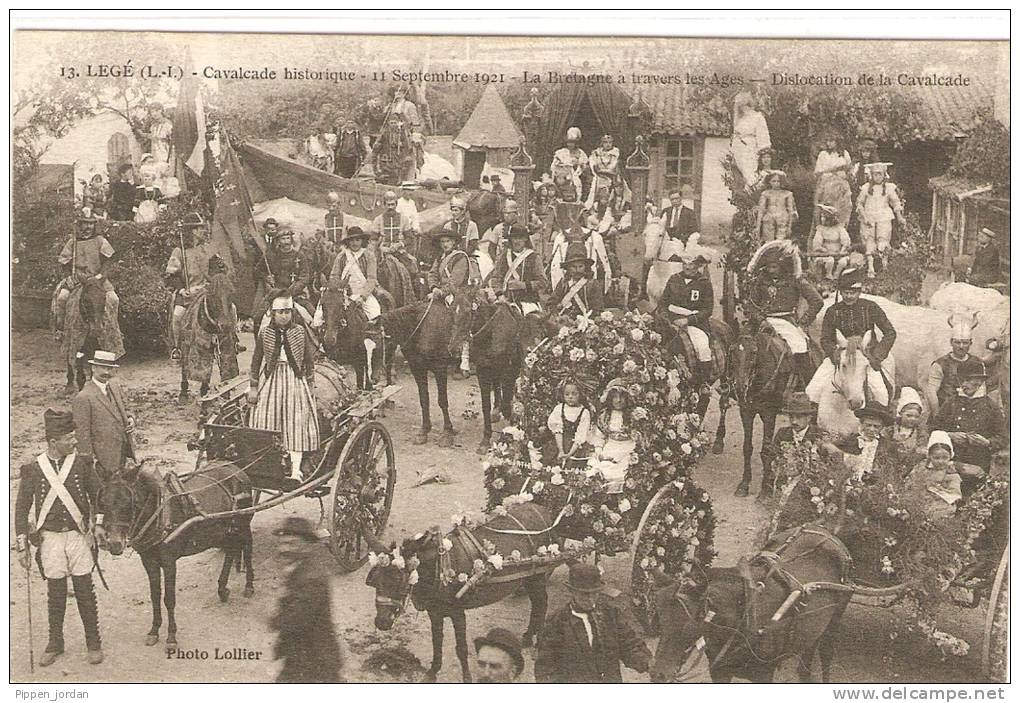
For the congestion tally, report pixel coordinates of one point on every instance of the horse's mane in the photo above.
(402, 321)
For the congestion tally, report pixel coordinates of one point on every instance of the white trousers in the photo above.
(65, 554)
(876, 235)
(702, 347)
(793, 336)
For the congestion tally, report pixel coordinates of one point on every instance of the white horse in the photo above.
(842, 389)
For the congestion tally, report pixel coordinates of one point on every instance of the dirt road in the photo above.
(872, 646)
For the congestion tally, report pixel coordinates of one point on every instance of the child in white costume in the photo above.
(614, 436)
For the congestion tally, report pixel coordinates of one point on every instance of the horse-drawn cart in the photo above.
(355, 465)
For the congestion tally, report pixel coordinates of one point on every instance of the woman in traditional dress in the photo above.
(750, 135)
(282, 377)
(832, 168)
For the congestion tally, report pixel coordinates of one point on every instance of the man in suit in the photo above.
(985, 270)
(63, 486)
(587, 639)
(104, 427)
(802, 431)
(679, 220)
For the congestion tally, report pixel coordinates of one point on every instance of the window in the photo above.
(680, 163)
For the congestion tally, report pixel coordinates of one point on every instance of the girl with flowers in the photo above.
(615, 437)
(570, 424)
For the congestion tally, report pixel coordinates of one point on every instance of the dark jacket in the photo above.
(590, 295)
(985, 269)
(291, 270)
(530, 272)
(783, 437)
(82, 484)
(101, 426)
(450, 273)
(122, 201)
(979, 415)
(694, 294)
(853, 321)
(768, 296)
(686, 225)
(564, 655)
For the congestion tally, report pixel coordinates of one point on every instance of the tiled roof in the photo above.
(951, 111)
(490, 125)
(674, 111)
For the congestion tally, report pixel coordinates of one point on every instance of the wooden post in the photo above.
(523, 166)
(638, 165)
(534, 111)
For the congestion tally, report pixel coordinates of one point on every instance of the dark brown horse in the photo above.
(758, 377)
(89, 325)
(208, 333)
(141, 510)
(785, 602)
(349, 339)
(500, 337)
(424, 331)
(678, 343)
(437, 588)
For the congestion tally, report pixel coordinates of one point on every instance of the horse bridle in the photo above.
(132, 530)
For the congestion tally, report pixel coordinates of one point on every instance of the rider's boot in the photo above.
(56, 601)
(706, 372)
(175, 336)
(804, 369)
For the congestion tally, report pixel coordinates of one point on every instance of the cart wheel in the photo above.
(362, 493)
(995, 652)
(642, 584)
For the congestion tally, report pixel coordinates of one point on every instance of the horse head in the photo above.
(851, 374)
(394, 574)
(335, 303)
(742, 360)
(123, 498)
(219, 294)
(680, 610)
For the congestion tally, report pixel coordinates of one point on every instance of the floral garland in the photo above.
(663, 414)
(891, 536)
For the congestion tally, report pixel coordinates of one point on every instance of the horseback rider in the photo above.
(461, 225)
(518, 277)
(689, 301)
(355, 270)
(450, 277)
(854, 316)
(394, 230)
(773, 294)
(495, 235)
(577, 293)
(285, 266)
(85, 255)
(186, 273)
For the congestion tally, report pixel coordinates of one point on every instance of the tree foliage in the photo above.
(984, 157)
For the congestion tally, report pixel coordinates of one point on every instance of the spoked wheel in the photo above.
(362, 493)
(995, 652)
(659, 543)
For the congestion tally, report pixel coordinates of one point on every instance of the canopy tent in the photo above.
(594, 109)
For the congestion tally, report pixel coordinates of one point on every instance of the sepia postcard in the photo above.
(391, 358)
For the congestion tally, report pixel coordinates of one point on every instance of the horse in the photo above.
(347, 338)
(436, 591)
(401, 284)
(500, 336)
(485, 209)
(208, 332)
(758, 376)
(677, 343)
(787, 601)
(90, 324)
(424, 331)
(853, 384)
(140, 511)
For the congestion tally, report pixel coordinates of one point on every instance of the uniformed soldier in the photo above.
(64, 488)
(86, 254)
(578, 293)
(494, 236)
(689, 301)
(518, 275)
(461, 225)
(289, 269)
(451, 277)
(186, 273)
(775, 290)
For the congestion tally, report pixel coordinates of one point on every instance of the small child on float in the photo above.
(936, 478)
(777, 210)
(570, 425)
(830, 238)
(614, 436)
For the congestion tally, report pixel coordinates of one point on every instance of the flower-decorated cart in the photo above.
(907, 546)
(643, 500)
(354, 466)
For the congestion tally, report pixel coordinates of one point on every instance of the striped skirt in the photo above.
(286, 405)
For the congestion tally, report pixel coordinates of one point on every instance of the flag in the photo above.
(189, 121)
(233, 224)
